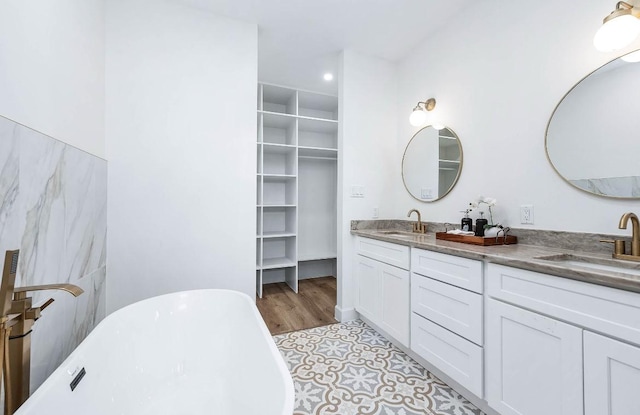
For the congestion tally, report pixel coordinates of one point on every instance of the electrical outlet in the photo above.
(375, 213)
(526, 214)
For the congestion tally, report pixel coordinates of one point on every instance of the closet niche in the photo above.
(297, 152)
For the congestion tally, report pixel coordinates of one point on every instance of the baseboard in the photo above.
(346, 314)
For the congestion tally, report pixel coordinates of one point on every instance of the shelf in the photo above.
(277, 120)
(317, 105)
(317, 152)
(282, 262)
(267, 235)
(267, 206)
(449, 164)
(279, 99)
(317, 257)
(279, 222)
(278, 128)
(317, 125)
(279, 178)
(272, 148)
(279, 161)
(284, 176)
(315, 133)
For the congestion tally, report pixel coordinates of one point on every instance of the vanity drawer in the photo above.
(392, 254)
(461, 272)
(603, 309)
(451, 307)
(456, 357)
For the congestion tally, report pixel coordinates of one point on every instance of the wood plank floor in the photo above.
(285, 311)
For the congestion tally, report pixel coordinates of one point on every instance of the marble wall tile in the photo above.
(78, 194)
(53, 201)
(98, 257)
(42, 209)
(64, 325)
(9, 174)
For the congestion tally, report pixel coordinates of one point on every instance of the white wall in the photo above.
(181, 134)
(497, 71)
(52, 69)
(367, 154)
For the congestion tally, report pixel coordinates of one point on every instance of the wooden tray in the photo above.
(477, 240)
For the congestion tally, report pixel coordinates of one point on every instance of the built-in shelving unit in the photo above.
(297, 152)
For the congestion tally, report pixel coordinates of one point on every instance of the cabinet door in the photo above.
(368, 288)
(611, 376)
(534, 363)
(395, 302)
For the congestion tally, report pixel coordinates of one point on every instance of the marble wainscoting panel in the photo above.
(42, 208)
(65, 324)
(53, 205)
(84, 193)
(98, 257)
(9, 175)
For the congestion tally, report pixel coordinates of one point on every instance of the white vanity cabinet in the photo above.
(447, 313)
(382, 286)
(611, 376)
(543, 355)
(534, 363)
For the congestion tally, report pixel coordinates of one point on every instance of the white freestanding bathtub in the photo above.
(193, 352)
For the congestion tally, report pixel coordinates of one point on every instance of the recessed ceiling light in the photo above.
(328, 76)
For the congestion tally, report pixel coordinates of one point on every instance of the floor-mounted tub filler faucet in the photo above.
(16, 322)
(418, 227)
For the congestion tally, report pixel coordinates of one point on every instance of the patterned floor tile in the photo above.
(350, 369)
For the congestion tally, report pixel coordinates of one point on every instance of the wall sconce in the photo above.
(419, 115)
(618, 29)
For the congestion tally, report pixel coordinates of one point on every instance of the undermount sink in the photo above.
(598, 264)
(400, 234)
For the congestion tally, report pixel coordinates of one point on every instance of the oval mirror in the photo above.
(592, 136)
(432, 163)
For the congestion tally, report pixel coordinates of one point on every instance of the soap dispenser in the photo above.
(467, 223)
(480, 222)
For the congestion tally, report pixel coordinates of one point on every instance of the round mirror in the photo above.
(592, 136)
(432, 163)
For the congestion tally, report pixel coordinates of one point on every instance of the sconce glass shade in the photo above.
(418, 117)
(619, 29)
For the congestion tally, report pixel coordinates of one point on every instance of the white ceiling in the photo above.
(300, 40)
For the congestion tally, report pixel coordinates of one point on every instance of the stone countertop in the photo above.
(519, 256)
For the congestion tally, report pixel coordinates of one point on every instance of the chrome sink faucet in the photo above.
(418, 227)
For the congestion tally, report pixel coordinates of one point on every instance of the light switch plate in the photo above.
(357, 191)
